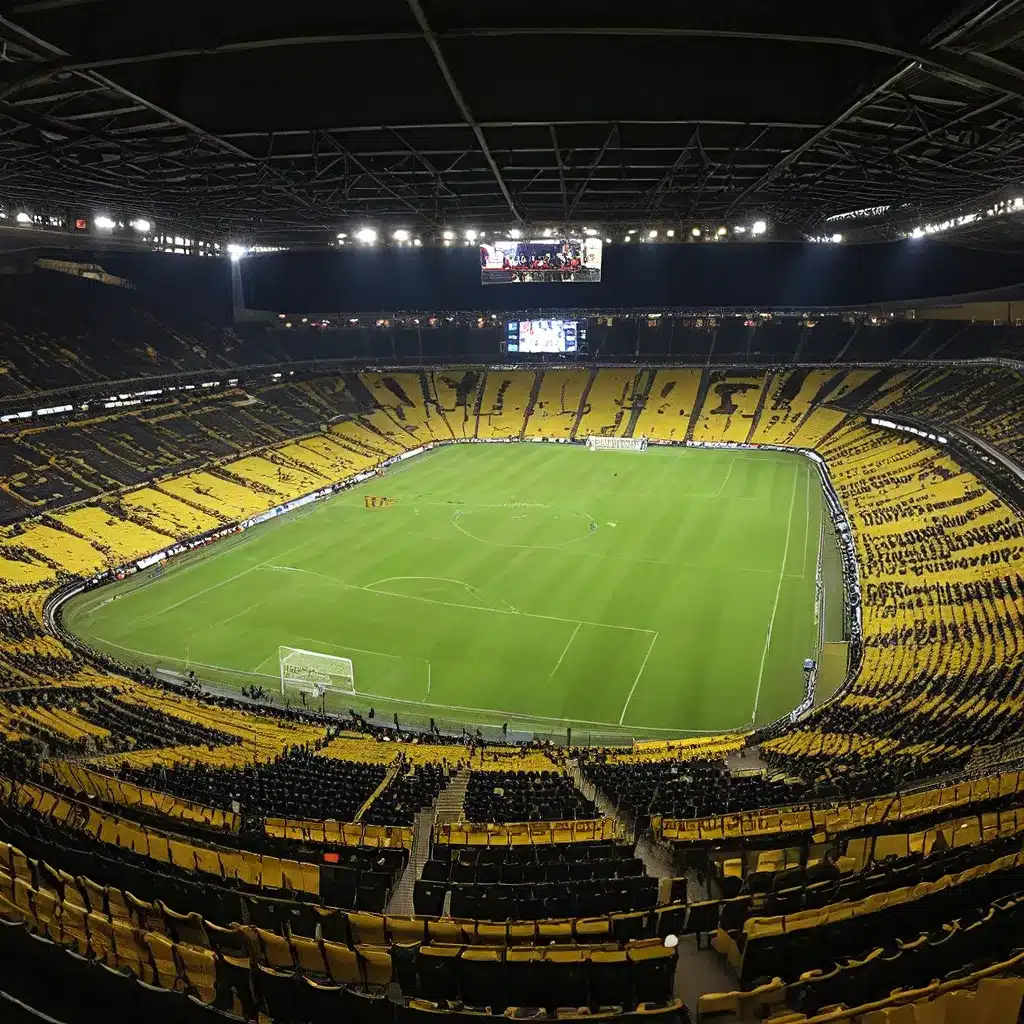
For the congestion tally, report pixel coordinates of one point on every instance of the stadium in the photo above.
(501, 547)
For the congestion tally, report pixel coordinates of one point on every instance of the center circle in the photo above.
(524, 526)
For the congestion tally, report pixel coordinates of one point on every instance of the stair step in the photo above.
(402, 902)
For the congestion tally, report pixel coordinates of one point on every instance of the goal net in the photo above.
(315, 673)
(597, 443)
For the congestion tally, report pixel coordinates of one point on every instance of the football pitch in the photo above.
(625, 594)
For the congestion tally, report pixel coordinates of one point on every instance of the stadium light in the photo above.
(236, 252)
(608, 241)
(470, 235)
(416, 241)
(341, 235)
(652, 233)
(590, 231)
(695, 232)
(142, 225)
(514, 233)
(366, 235)
(759, 227)
(740, 229)
(671, 232)
(916, 233)
(626, 239)
(449, 235)
(103, 222)
(23, 218)
(837, 238)
(401, 235)
(720, 232)
(547, 232)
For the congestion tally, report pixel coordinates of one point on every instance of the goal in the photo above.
(597, 443)
(315, 673)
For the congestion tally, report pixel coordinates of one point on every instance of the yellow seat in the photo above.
(199, 969)
(342, 964)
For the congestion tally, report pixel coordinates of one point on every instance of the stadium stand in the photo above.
(524, 796)
(248, 858)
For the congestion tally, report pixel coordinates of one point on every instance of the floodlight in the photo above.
(514, 233)
(739, 229)
(837, 238)
(759, 227)
(590, 231)
(341, 234)
(103, 222)
(652, 233)
(23, 218)
(917, 232)
(416, 241)
(470, 235)
(401, 235)
(366, 235)
(236, 252)
(626, 239)
(671, 232)
(142, 225)
(449, 235)
(608, 241)
(695, 232)
(547, 232)
(720, 232)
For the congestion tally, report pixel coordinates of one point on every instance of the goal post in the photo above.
(599, 443)
(314, 673)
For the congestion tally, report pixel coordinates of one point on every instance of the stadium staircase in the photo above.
(538, 377)
(657, 857)
(401, 902)
(450, 803)
(698, 404)
(389, 777)
(478, 402)
(762, 398)
(584, 405)
(641, 392)
(448, 809)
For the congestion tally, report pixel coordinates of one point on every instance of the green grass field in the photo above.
(625, 594)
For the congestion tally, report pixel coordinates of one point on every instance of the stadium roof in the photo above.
(290, 122)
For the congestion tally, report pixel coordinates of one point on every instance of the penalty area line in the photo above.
(632, 689)
(565, 649)
(453, 604)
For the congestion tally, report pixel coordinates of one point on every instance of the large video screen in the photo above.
(546, 336)
(573, 260)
